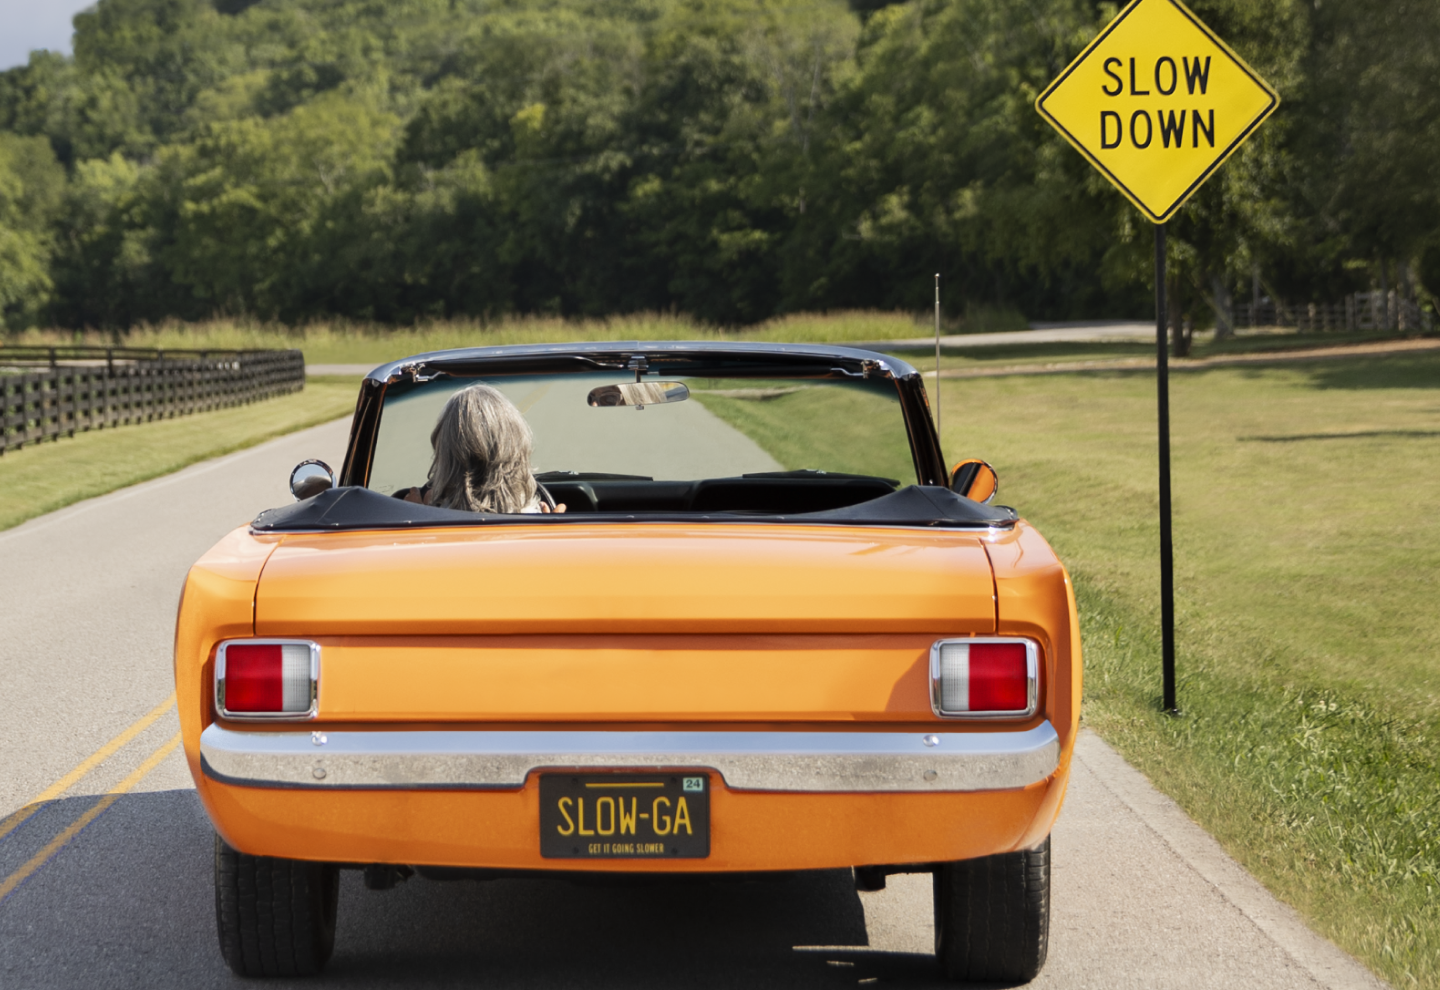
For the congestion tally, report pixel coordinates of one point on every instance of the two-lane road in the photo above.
(106, 882)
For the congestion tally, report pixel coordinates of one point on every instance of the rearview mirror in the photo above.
(974, 479)
(638, 394)
(310, 478)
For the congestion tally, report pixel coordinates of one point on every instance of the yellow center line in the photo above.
(532, 398)
(93, 812)
(89, 763)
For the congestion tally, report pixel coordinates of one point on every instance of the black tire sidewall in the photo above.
(274, 917)
(992, 916)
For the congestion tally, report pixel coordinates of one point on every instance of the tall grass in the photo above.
(346, 342)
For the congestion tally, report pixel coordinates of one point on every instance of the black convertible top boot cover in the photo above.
(360, 508)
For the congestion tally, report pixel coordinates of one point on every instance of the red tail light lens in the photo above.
(998, 681)
(266, 679)
(254, 678)
(980, 678)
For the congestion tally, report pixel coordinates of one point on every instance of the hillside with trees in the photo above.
(731, 159)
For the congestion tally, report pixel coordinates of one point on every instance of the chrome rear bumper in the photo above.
(748, 761)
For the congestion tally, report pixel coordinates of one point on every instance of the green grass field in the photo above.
(47, 476)
(1307, 533)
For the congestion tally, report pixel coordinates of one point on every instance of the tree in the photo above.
(730, 158)
(262, 212)
(31, 187)
(938, 162)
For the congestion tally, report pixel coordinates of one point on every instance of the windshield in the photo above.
(711, 428)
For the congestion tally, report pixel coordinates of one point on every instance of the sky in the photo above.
(27, 24)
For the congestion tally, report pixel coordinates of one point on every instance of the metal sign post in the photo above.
(1167, 549)
(1157, 102)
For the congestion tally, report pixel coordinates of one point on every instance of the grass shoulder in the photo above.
(47, 476)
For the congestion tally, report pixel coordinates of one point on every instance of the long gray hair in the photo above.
(482, 454)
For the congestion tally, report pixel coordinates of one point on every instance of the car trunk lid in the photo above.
(619, 578)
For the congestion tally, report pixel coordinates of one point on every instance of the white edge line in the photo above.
(1327, 964)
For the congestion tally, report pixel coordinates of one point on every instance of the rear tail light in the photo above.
(984, 678)
(267, 679)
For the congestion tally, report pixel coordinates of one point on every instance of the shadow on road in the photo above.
(129, 903)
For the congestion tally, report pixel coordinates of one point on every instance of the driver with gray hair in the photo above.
(482, 448)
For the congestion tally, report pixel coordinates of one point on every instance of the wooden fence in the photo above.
(50, 392)
(1359, 311)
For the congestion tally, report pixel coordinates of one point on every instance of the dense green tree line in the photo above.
(728, 158)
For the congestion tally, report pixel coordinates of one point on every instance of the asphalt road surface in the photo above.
(105, 853)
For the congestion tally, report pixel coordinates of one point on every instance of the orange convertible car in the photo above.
(768, 632)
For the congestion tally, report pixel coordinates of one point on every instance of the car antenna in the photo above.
(937, 358)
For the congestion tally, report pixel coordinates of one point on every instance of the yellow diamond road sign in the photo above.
(1157, 102)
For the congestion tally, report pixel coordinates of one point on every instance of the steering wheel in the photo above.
(545, 496)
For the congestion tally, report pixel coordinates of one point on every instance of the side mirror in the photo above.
(975, 480)
(310, 478)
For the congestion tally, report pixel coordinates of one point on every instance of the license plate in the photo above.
(625, 816)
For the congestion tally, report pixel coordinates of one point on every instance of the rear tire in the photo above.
(992, 916)
(275, 917)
